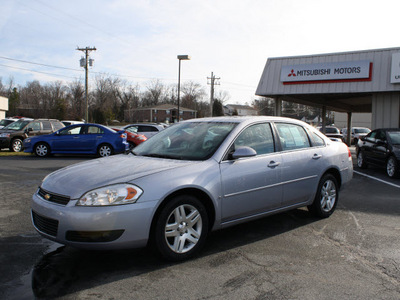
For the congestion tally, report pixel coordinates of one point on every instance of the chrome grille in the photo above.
(59, 199)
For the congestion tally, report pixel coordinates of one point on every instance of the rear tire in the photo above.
(327, 197)
(105, 150)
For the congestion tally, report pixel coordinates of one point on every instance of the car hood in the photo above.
(77, 179)
(7, 131)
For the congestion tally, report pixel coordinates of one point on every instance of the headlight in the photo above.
(27, 140)
(111, 195)
(5, 135)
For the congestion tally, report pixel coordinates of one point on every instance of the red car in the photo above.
(133, 138)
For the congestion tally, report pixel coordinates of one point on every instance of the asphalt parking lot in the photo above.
(354, 254)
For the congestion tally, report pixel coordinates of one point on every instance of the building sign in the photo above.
(327, 72)
(395, 73)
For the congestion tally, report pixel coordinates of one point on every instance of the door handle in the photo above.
(317, 156)
(76, 137)
(273, 164)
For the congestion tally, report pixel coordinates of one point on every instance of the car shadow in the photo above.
(67, 270)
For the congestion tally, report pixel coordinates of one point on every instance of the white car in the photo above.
(356, 133)
(148, 130)
(7, 121)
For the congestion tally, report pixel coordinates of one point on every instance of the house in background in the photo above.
(3, 107)
(165, 113)
(239, 110)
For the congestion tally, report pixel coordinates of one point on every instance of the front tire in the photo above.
(392, 167)
(327, 196)
(181, 228)
(361, 163)
(16, 145)
(42, 150)
(105, 150)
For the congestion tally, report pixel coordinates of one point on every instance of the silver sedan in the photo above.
(191, 178)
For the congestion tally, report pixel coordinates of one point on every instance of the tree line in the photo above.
(110, 96)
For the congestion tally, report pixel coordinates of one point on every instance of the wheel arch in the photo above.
(335, 172)
(199, 194)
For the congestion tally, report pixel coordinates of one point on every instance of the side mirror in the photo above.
(243, 152)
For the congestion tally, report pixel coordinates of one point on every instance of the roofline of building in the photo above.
(334, 53)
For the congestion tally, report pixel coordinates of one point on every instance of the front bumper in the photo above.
(4, 142)
(101, 228)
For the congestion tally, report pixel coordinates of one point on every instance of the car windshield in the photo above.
(17, 125)
(395, 137)
(362, 130)
(186, 141)
(5, 122)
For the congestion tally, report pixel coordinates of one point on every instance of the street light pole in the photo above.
(180, 57)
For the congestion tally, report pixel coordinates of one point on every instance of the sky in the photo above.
(139, 40)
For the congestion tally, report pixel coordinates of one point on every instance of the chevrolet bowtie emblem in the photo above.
(47, 197)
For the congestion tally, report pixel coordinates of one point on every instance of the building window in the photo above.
(167, 112)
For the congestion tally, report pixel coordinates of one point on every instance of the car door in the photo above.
(92, 137)
(147, 130)
(251, 185)
(46, 128)
(34, 128)
(378, 149)
(301, 164)
(67, 139)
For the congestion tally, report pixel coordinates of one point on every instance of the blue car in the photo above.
(79, 139)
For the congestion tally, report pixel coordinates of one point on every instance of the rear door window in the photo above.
(292, 136)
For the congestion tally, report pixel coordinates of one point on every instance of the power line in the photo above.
(46, 73)
(39, 64)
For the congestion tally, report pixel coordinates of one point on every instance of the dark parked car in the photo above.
(79, 139)
(380, 147)
(191, 178)
(333, 133)
(13, 135)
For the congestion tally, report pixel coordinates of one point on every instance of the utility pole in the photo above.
(84, 63)
(213, 82)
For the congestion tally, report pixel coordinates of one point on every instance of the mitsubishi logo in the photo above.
(292, 73)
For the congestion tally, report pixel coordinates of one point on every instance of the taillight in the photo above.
(349, 152)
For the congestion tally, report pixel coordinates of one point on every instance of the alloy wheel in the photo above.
(183, 228)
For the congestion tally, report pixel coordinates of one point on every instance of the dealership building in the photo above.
(349, 82)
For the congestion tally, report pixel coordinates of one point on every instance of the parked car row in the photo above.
(47, 136)
(13, 135)
(209, 173)
(341, 135)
